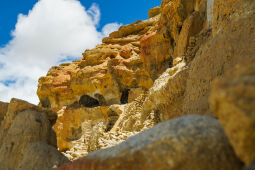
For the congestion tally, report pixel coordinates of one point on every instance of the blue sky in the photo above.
(111, 11)
(36, 35)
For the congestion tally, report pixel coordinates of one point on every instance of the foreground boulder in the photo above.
(233, 101)
(39, 156)
(23, 125)
(191, 142)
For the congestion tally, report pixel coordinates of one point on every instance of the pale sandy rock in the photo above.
(192, 142)
(166, 95)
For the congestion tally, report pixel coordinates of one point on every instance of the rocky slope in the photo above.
(175, 91)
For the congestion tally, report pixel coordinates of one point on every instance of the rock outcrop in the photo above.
(192, 142)
(156, 71)
(23, 126)
(105, 73)
(233, 100)
(3, 110)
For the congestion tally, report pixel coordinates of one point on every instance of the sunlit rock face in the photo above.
(149, 72)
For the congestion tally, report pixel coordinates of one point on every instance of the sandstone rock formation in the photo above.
(192, 142)
(23, 126)
(145, 73)
(233, 101)
(105, 73)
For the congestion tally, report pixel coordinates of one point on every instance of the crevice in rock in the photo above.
(88, 101)
(75, 133)
(124, 96)
(46, 103)
(112, 118)
(180, 29)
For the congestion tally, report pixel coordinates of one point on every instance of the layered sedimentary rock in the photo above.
(105, 73)
(23, 126)
(152, 71)
(192, 142)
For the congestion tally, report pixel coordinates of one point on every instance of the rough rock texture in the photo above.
(154, 11)
(24, 124)
(41, 156)
(165, 96)
(82, 130)
(233, 101)
(230, 46)
(192, 142)
(105, 73)
(147, 72)
(3, 110)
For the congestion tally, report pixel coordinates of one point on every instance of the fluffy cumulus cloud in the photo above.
(52, 32)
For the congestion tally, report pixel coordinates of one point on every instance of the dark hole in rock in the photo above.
(100, 99)
(180, 29)
(46, 103)
(124, 96)
(88, 101)
(112, 118)
(112, 56)
(171, 63)
(75, 133)
(172, 42)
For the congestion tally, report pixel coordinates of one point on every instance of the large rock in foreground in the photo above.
(40, 156)
(191, 142)
(233, 101)
(25, 124)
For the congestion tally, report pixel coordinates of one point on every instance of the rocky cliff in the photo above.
(175, 91)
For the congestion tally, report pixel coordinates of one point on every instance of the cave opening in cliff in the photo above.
(124, 96)
(88, 101)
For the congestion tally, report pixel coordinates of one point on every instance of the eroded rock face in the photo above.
(192, 142)
(233, 100)
(3, 110)
(23, 125)
(146, 72)
(230, 46)
(103, 73)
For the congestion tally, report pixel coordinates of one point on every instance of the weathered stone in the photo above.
(24, 124)
(192, 142)
(103, 73)
(3, 110)
(225, 12)
(233, 101)
(74, 122)
(215, 57)
(40, 156)
(191, 26)
(154, 11)
(166, 95)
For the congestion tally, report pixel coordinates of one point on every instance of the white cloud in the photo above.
(52, 31)
(109, 28)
